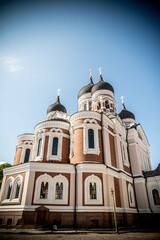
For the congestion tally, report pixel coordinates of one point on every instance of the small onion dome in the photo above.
(86, 89)
(57, 106)
(126, 114)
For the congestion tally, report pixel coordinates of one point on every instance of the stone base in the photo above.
(43, 218)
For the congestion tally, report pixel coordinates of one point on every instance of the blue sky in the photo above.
(46, 45)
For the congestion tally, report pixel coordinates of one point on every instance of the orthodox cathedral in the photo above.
(77, 170)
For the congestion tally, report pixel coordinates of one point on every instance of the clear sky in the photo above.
(46, 45)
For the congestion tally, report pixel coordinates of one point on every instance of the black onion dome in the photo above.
(102, 85)
(86, 89)
(126, 114)
(57, 106)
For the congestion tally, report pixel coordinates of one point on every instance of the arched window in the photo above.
(156, 197)
(44, 190)
(131, 196)
(27, 154)
(106, 104)
(85, 107)
(55, 146)
(99, 105)
(39, 147)
(17, 190)
(59, 190)
(90, 138)
(93, 194)
(9, 192)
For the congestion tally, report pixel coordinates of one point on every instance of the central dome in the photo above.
(102, 85)
(86, 89)
(57, 106)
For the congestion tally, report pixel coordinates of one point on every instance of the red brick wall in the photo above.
(112, 149)
(117, 192)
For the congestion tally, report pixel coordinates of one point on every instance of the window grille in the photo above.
(59, 191)
(44, 190)
(93, 194)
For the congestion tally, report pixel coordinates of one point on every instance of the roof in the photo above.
(126, 114)
(86, 89)
(102, 85)
(57, 106)
(153, 173)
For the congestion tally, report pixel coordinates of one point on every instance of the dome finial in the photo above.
(100, 73)
(122, 98)
(58, 94)
(90, 75)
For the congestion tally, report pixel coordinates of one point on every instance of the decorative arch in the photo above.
(131, 196)
(93, 190)
(91, 124)
(17, 188)
(39, 149)
(7, 196)
(55, 133)
(41, 181)
(63, 186)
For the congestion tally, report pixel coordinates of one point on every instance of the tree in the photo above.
(2, 166)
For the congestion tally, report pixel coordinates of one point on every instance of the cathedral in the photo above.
(76, 171)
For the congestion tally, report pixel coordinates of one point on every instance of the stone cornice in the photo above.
(27, 136)
(51, 124)
(85, 114)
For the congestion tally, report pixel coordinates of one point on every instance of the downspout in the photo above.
(102, 137)
(132, 174)
(75, 198)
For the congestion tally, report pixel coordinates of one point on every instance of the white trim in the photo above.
(24, 137)
(51, 189)
(51, 124)
(93, 179)
(90, 124)
(13, 181)
(55, 132)
(85, 114)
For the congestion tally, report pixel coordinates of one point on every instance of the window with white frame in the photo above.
(131, 196)
(124, 154)
(13, 190)
(26, 151)
(50, 190)
(93, 190)
(60, 186)
(40, 143)
(55, 144)
(90, 137)
(85, 107)
(43, 189)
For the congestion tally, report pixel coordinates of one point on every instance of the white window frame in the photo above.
(51, 189)
(55, 132)
(91, 124)
(124, 154)
(39, 135)
(61, 179)
(130, 190)
(43, 178)
(26, 145)
(93, 179)
(13, 182)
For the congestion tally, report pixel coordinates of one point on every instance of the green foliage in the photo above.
(2, 166)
